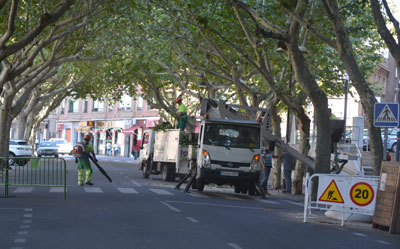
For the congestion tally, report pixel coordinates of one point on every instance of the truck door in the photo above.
(200, 145)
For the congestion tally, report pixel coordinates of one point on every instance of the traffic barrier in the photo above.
(34, 171)
(342, 193)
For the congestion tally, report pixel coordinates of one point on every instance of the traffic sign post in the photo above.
(386, 114)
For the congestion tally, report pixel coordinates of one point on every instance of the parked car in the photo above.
(19, 148)
(47, 149)
(391, 142)
(63, 146)
(365, 140)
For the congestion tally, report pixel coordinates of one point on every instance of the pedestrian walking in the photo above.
(84, 163)
(109, 148)
(266, 163)
(289, 163)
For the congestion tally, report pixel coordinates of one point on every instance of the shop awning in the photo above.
(130, 130)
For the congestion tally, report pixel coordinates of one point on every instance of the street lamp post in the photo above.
(346, 91)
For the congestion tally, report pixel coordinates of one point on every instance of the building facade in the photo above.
(120, 124)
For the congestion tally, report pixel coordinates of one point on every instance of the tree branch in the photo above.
(45, 20)
(10, 26)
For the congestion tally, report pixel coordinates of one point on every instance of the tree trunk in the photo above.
(367, 96)
(320, 103)
(5, 126)
(21, 126)
(29, 127)
(276, 129)
(304, 125)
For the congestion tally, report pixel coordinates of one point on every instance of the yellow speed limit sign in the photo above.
(362, 194)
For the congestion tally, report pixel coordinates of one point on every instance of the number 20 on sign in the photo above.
(362, 194)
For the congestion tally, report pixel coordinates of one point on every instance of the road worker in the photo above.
(182, 115)
(84, 163)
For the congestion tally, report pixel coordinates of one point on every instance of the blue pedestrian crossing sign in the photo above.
(386, 114)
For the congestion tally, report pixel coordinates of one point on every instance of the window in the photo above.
(85, 106)
(98, 106)
(62, 107)
(70, 106)
(232, 135)
(150, 103)
(125, 103)
(73, 106)
(139, 103)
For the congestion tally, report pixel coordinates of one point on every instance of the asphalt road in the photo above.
(133, 212)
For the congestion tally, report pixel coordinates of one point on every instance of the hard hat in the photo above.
(86, 137)
(178, 99)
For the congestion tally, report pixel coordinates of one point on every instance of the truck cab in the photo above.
(228, 153)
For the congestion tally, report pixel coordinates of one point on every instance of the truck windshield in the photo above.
(232, 136)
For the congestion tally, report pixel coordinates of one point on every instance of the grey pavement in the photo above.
(132, 212)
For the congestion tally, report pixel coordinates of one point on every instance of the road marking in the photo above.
(23, 190)
(383, 242)
(27, 221)
(24, 227)
(56, 190)
(171, 207)
(128, 191)
(360, 234)
(195, 194)
(216, 205)
(27, 215)
(192, 219)
(294, 203)
(22, 232)
(19, 240)
(268, 201)
(28, 209)
(93, 190)
(235, 246)
(137, 184)
(161, 191)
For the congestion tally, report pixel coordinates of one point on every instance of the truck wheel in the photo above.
(146, 168)
(252, 188)
(244, 189)
(171, 173)
(237, 188)
(194, 184)
(168, 173)
(200, 184)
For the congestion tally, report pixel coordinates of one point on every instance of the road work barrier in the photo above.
(349, 194)
(33, 171)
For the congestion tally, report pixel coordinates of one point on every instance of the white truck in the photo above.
(227, 150)
(166, 152)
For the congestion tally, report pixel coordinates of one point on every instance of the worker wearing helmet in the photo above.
(84, 163)
(182, 115)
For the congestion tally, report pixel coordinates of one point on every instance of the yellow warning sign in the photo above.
(332, 194)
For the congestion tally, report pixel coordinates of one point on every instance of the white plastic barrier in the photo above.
(342, 193)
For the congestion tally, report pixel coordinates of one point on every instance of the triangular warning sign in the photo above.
(332, 194)
(386, 115)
